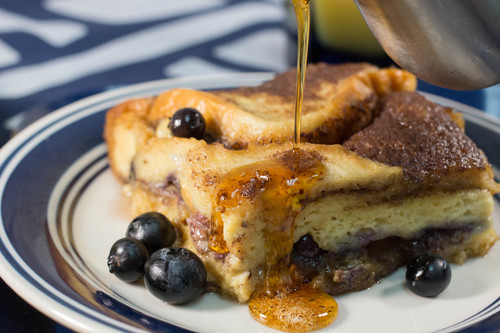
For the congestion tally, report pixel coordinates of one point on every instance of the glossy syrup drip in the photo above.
(239, 187)
(275, 187)
(283, 304)
(279, 188)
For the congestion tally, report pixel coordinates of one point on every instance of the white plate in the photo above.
(61, 210)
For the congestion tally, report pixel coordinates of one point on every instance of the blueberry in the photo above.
(175, 275)
(428, 275)
(187, 123)
(126, 259)
(152, 229)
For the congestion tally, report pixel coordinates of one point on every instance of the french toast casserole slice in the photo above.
(382, 175)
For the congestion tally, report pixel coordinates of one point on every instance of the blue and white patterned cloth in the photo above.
(55, 51)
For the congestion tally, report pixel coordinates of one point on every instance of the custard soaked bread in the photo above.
(383, 175)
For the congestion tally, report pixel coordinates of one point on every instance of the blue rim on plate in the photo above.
(35, 244)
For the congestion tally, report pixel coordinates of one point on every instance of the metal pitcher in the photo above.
(449, 43)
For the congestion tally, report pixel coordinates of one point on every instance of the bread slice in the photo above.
(383, 175)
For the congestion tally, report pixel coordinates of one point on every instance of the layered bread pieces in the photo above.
(382, 175)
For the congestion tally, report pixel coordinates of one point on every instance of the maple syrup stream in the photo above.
(280, 301)
(284, 304)
(303, 23)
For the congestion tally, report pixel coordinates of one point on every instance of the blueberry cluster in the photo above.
(174, 275)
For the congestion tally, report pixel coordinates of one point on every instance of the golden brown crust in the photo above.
(419, 136)
(284, 84)
(340, 101)
(126, 121)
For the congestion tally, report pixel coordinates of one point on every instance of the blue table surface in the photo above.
(44, 46)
